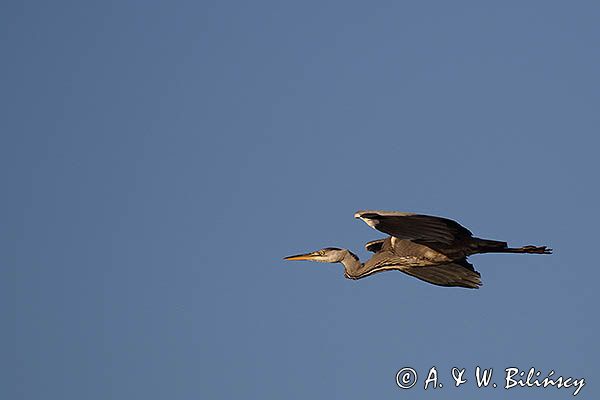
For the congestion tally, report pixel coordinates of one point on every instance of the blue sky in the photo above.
(159, 159)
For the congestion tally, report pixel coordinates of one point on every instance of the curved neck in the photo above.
(352, 265)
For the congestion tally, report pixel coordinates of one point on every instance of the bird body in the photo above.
(433, 249)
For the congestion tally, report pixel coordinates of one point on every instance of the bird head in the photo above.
(326, 255)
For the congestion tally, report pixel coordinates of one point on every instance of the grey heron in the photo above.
(433, 249)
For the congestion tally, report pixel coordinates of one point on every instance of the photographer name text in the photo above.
(511, 377)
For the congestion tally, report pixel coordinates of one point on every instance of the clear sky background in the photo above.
(158, 159)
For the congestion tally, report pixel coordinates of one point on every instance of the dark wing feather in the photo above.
(375, 245)
(416, 227)
(454, 274)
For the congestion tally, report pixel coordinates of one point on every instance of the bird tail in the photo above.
(494, 246)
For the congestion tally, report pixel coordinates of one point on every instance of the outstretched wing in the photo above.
(415, 227)
(453, 274)
(457, 273)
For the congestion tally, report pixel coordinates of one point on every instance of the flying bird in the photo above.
(433, 249)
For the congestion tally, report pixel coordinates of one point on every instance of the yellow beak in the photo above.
(308, 256)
